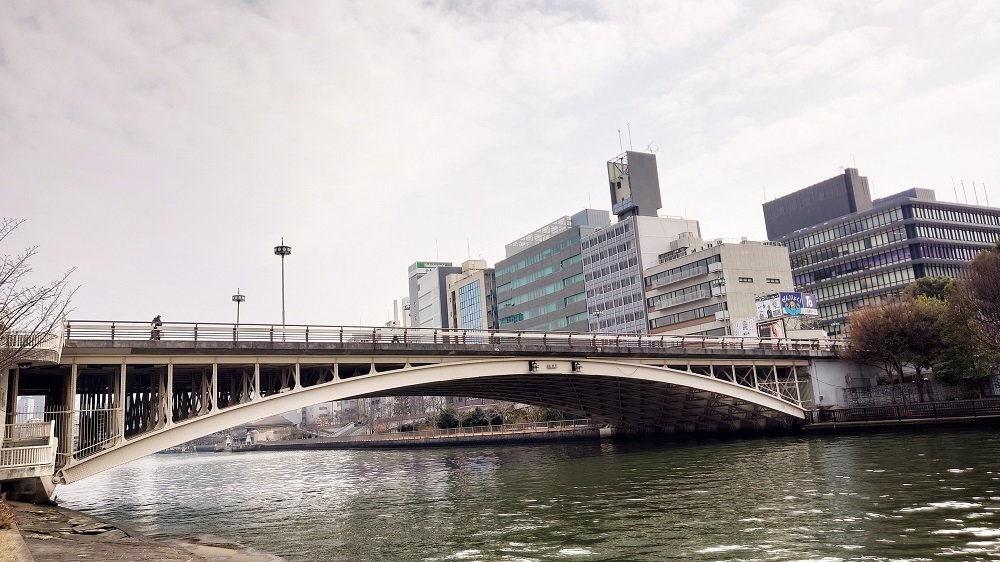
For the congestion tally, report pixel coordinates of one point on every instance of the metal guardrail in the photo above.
(29, 430)
(918, 410)
(33, 455)
(94, 330)
(505, 429)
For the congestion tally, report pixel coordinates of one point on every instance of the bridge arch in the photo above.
(616, 391)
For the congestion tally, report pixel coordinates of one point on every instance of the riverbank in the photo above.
(56, 534)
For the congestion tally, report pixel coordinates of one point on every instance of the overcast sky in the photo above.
(164, 148)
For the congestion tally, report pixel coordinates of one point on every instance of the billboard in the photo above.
(744, 327)
(798, 304)
(772, 329)
(809, 306)
(769, 307)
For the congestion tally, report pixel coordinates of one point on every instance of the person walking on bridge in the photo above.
(154, 334)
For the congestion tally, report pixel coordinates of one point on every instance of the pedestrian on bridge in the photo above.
(154, 334)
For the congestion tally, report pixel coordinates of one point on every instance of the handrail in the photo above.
(387, 337)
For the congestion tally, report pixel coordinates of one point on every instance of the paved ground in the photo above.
(60, 535)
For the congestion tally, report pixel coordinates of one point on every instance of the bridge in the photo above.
(117, 391)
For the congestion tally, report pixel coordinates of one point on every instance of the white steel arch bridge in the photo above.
(117, 391)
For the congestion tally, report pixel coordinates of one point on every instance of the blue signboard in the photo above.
(791, 303)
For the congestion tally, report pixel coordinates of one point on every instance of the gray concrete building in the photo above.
(829, 199)
(710, 287)
(540, 284)
(614, 258)
(428, 293)
(864, 256)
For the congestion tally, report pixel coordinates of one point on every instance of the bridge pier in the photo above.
(36, 489)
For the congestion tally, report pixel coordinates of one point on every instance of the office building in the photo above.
(710, 287)
(471, 297)
(875, 249)
(428, 297)
(540, 283)
(614, 257)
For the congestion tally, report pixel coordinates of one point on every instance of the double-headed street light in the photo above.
(282, 251)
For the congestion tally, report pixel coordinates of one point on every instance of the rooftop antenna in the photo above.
(620, 145)
(975, 193)
(765, 193)
(437, 251)
(953, 188)
(589, 205)
(468, 248)
(964, 194)
(987, 194)
(855, 160)
(629, 127)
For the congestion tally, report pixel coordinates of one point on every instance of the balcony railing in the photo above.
(28, 455)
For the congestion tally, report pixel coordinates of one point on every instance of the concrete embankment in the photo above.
(401, 440)
(56, 534)
(889, 425)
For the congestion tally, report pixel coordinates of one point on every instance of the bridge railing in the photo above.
(28, 455)
(987, 407)
(504, 429)
(388, 337)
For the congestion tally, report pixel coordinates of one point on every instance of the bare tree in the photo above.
(983, 286)
(29, 314)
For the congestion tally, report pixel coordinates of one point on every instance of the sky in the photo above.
(164, 148)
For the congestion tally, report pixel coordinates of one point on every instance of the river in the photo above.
(916, 495)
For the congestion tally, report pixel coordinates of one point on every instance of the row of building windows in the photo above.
(530, 278)
(848, 267)
(611, 286)
(669, 299)
(538, 257)
(668, 275)
(541, 310)
(842, 309)
(942, 252)
(541, 291)
(968, 217)
(624, 299)
(848, 228)
(963, 234)
(890, 236)
(746, 279)
(891, 278)
(610, 252)
(623, 265)
(687, 315)
(607, 234)
(938, 270)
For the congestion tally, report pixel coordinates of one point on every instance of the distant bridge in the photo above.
(117, 391)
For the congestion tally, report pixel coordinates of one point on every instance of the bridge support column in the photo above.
(169, 395)
(119, 404)
(65, 452)
(215, 386)
(298, 376)
(37, 489)
(256, 380)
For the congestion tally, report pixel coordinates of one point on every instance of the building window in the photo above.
(746, 279)
(773, 280)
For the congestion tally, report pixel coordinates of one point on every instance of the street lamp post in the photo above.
(238, 298)
(282, 251)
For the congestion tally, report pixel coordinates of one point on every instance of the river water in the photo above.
(929, 495)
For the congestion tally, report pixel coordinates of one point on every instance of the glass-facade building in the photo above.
(540, 285)
(875, 252)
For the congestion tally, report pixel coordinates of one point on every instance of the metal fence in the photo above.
(28, 455)
(505, 429)
(921, 410)
(77, 330)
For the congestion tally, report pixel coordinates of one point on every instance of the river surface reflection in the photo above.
(890, 496)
